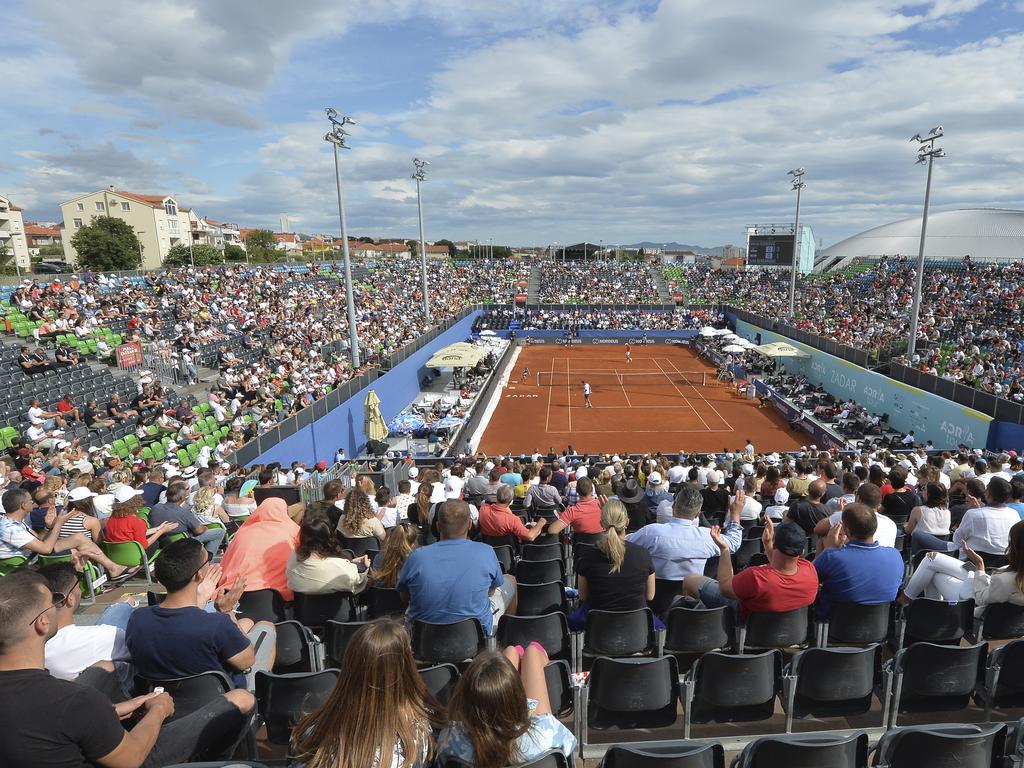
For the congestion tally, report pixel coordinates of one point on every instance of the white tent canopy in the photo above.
(780, 349)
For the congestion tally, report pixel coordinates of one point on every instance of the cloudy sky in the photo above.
(561, 120)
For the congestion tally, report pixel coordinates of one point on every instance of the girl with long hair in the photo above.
(614, 575)
(400, 542)
(500, 711)
(380, 712)
(932, 516)
(359, 520)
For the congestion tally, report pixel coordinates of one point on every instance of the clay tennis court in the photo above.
(666, 399)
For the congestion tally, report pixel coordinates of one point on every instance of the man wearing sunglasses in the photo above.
(51, 722)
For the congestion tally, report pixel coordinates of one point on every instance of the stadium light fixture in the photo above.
(798, 185)
(926, 153)
(420, 175)
(336, 138)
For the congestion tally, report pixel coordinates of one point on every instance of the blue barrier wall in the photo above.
(1006, 436)
(945, 423)
(657, 335)
(343, 426)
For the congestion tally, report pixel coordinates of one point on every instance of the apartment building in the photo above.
(12, 233)
(159, 222)
(38, 235)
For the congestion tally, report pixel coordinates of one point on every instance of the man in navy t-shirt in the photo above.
(177, 638)
(455, 579)
(859, 570)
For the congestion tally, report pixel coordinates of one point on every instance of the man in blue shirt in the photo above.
(187, 522)
(853, 567)
(455, 579)
(681, 547)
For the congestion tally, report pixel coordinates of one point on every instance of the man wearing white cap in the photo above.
(414, 483)
(778, 510)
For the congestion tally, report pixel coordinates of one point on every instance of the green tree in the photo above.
(452, 251)
(6, 259)
(413, 246)
(52, 250)
(234, 252)
(204, 255)
(107, 243)
(261, 246)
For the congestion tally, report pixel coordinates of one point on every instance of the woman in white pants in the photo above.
(941, 577)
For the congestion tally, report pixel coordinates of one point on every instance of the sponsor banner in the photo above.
(946, 423)
(566, 342)
(129, 355)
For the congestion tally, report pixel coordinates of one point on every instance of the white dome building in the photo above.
(985, 233)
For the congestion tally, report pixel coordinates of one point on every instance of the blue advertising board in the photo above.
(945, 423)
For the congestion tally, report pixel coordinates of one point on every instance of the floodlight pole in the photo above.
(336, 138)
(926, 152)
(798, 185)
(420, 175)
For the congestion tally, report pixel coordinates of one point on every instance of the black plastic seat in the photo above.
(630, 693)
(692, 632)
(935, 621)
(561, 693)
(263, 605)
(1004, 679)
(747, 549)
(533, 551)
(338, 633)
(538, 599)
(539, 571)
(725, 688)
(805, 750)
(362, 545)
(447, 643)
(190, 693)
(1000, 621)
(381, 601)
(550, 759)
(764, 629)
(285, 699)
(506, 557)
(551, 630)
(831, 682)
(295, 648)
(665, 592)
(928, 677)
(440, 680)
(619, 633)
(855, 624)
(665, 755)
(952, 745)
(315, 611)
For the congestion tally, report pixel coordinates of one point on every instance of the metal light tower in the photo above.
(798, 185)
(336, 138)
(420, 175)
(926, 152)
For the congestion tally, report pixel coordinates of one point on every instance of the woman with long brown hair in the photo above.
(319, 564)
(419, 511)
(500, 711)
(400, 541)
(380, 712)
(359, 520)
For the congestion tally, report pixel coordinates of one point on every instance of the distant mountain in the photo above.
(673, 246)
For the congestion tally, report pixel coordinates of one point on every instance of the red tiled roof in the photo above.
(154, 201)
(37, 230)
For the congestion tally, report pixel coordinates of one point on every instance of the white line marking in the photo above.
(685, 400)
(568, 392)
(621, 384)
(547, 420)
(701, 393)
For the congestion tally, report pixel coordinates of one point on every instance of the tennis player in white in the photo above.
(586, 395)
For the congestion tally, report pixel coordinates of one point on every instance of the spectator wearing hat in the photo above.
(681, 547)
(715, 497)
(786, 583)
(854, 568)
(125, 524)
(634, 498)
(655, 493)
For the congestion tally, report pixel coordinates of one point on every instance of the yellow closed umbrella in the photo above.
(374, 425)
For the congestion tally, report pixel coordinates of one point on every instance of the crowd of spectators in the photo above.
(596, 282)
(656, 531)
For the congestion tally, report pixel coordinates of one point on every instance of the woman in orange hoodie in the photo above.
(261, 548)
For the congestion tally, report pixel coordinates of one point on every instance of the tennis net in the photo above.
(630, 379)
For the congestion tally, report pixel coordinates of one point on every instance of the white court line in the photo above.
(568, 391)
(547, 420)
(621, 384)
(618, 430)
(685, 399)
(699, 392)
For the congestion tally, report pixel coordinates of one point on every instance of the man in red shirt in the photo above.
(68, 409)
(585, 515)
(788, 581)
(496, 519)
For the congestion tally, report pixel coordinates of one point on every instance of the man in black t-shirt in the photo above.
(51, 722)
(808, 510)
